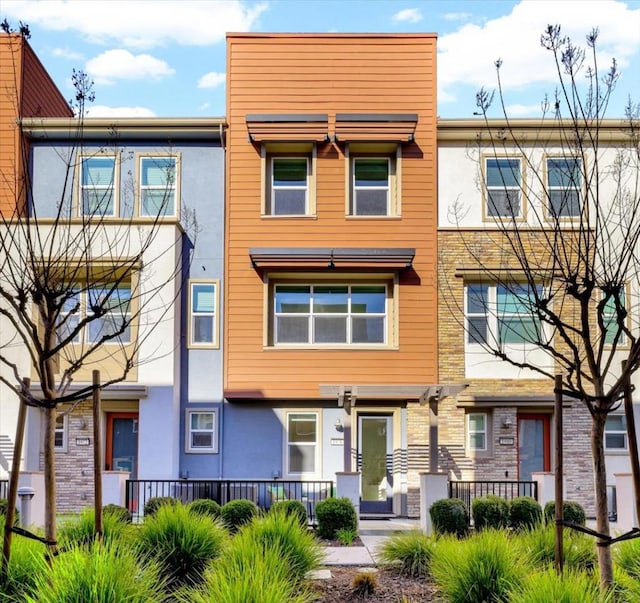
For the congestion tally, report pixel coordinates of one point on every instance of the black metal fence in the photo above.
(263, 492)
(468, 490)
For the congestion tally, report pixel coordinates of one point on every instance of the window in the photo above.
(201, 431)
(289, 192)
(564, 181)
(158, 195)
(60, 433)
(477, 431)
(302, 443)
(503, 182)
(371, 186)
(615, 433)
(98, 186)
(611, 321)
(203, 301)
(501, 314)
(69, 316)
(330, 314)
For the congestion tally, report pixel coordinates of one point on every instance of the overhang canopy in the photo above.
(331, 257)
(290, 127)
(392, 127)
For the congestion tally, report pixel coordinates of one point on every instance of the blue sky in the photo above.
(167, 58)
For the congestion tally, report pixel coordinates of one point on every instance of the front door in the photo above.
(533, 444)
(375, 453)
(122, 442)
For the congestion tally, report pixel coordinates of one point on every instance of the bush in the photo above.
(183, 543)
(155, 502)
(335, 514)
(539, 544)
(291, 507)
(524, 513)
(80, 530)
(571, 511)
(4, 503)
(412, 551)
(490, 511)
(449, 516)
(120, 513)
(238, 512)
(205, 506)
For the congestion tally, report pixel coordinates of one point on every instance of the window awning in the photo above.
(290, 127)
(332, 257)
(375, 127)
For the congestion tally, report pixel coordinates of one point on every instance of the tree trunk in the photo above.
(50, 479)
(602, 514)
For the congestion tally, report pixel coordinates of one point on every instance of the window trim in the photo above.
(64, 431)
(622, 432)
(188, 448)
(520, 188)
(473, 449)
(317, 444)
(548, 189)
(215, 344)
(82, 161)
(139, 158)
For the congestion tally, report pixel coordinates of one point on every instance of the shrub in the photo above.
(570, 587)
(579, 550)
(236, 513)
(100, 574)
(205, 506)
(449, 516)
(346, 536)
(490, 511)
(120, 513)
(183, 543)
(364, 584)
(335, 514)
(483, 568)
(571, 511)
(291, 507)
(524, 513)
(4, 503)
(412, 551)
(155, 502)
(80, 530)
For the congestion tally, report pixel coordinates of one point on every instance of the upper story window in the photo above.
(98, 186)
(615, 433)
(613, 332)
(330, 314)
(503, 180)
(158, 186)
(203, 303)
(289, 186)
(371, 186)
(564, 185)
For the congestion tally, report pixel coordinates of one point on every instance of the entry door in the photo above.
(533, 444)
(122, 442)
(375, 453)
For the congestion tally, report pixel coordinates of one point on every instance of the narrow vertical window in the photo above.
(289, 192)
(97, 184)
(564, 183)
(302, 443)
(612, 326)
(60, 433)
(203, 314)
(158, 186)
(371, 188)
(477, 431)
(503, 183)
(477, 297)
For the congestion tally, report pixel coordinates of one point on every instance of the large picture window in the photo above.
(564, 184)
(302, 443)
(158, 191)
(330, 314)
(503, 185)
(98, 186)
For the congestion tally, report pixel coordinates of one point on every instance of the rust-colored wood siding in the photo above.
(308, 73)
(26, 90)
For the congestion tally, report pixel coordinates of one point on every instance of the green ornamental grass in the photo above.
(81, 529)
(570, 587)
(626, 555)
(410, 551)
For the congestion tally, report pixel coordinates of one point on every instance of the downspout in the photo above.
(222, 405)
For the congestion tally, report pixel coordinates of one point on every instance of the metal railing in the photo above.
(261, 491)
(468, 490)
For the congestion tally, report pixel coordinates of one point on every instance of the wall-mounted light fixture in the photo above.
(338, 424)
(507, 423)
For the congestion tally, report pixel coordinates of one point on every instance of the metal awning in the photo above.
(332, 257)
(375, 127)
(288, 127)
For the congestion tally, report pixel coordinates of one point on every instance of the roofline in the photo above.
(126, 127)
(343, 35)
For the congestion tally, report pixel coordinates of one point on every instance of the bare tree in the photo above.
(569, 266)
(82, 284)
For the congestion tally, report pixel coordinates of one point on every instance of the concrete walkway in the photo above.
(372, 532)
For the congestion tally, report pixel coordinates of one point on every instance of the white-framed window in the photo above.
(288, 193)
(98, 186)
(615, 433)
(501, 314)
(503, 181)
(330, 314)
(302, 438)
(158, 186)
(70, 316)
(564, 186)
(477, 431)
(203, 313)
(202, 431)
(60, 433)
(610, 320)
(371, 186)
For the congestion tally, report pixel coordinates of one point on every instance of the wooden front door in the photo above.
(121, 450)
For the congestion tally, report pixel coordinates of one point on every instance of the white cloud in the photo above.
(104, 111)
(140, 23)
(410, 15)
(467, 56)
(456, 16)
(519, 110)
(65, 53)
(211, 79)
(204, 106)
(120, 64)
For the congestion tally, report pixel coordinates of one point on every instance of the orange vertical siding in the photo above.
(308, 73)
